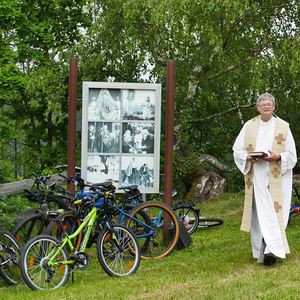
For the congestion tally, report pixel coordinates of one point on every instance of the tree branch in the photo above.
(238, 107)
(213, 161)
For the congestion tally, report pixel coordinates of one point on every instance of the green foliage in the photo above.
(10, 207)
(226, 53)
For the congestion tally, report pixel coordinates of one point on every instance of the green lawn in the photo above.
(218, 265)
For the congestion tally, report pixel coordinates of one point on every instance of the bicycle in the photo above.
(9, 258)
(46, 262)
(154, 224)
(33, 221)
(191, 217)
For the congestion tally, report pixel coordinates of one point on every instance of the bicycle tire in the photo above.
(139, 228)
(209, 222)
(165, 222)
(189, 217)
(118, 252)
(68, 222)
(29, 227)
(9, 259)
(35, 271)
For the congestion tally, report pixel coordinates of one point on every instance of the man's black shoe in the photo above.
(269, 259)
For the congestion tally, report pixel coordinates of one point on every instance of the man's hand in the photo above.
(252, 159)
(272, 157)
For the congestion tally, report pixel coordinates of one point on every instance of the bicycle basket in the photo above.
(35, 196)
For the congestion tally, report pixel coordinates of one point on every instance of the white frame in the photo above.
(131, 105)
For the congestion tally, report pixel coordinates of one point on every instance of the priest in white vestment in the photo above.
(268, 180)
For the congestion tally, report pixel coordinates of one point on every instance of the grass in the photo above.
(217, 265)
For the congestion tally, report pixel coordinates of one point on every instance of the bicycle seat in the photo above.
(129, 188)
(104, 186)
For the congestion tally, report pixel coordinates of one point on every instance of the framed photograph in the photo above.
(121, 134)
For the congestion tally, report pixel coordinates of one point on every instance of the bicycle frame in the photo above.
(88, 221)
(123, 215)
(121, 219)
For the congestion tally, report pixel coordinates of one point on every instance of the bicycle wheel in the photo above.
(9, 259)
(209, 222)
(36, 272)
(118, 251)
(29, 227)
(163, 236)
(67, 223)
(189, 217)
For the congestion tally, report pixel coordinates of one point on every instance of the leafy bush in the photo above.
(10, 207)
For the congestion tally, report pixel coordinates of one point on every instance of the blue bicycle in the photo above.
(154, 223)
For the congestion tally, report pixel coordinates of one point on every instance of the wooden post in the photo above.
(169, 132)
(72, 121)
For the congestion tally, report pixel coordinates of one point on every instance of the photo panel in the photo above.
(137, 170)
(101, 168)
(138, 138)
(104, 104)
(104, 137)
(138, 104)
(121, 134)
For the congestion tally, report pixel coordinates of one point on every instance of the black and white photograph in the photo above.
(138, 138)
(138, 105)
(104, 137)
(137, 170)
(104, 104)
(103, 167)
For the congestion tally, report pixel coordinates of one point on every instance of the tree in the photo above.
(227, 53)
(36, 38)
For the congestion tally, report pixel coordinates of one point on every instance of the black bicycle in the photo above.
(50, 201)
(9, 258)
(191, 217)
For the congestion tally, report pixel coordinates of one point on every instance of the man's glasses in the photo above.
(266, 105)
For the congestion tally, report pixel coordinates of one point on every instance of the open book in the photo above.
(258, 154)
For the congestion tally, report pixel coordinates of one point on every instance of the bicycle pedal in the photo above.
(82, 260)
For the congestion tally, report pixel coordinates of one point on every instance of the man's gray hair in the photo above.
(265, 96)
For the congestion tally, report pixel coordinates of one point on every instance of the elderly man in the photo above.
(268, 180)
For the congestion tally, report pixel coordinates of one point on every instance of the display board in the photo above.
(121, 134)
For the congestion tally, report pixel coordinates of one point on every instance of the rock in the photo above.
(210, 185)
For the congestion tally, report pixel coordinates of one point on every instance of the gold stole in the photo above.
(280, 134)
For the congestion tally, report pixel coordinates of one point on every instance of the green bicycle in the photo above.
(47, 263)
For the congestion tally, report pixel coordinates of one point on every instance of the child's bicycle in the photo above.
(9, 258)
(47, 262)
